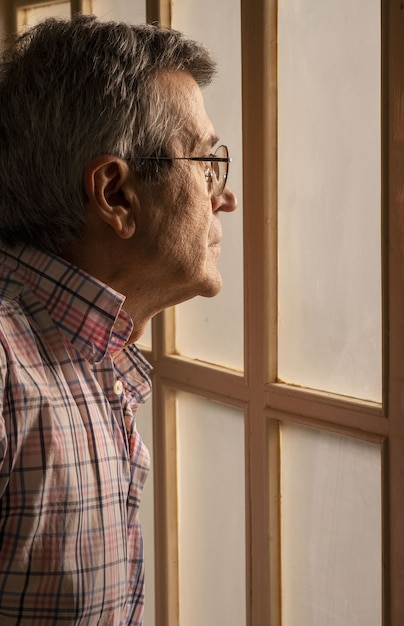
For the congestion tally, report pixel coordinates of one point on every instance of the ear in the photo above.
(110, 189)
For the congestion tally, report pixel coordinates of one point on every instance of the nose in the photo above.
(227, 201)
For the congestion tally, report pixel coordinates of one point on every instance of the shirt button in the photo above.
(118, 387)
(119, 324)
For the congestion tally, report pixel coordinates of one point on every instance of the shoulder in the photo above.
(18, 341)
(13, 320)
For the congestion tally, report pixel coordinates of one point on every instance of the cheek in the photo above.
(191, 213)
(179, 216)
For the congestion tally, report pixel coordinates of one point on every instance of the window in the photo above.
(277, 411)
(28, 15)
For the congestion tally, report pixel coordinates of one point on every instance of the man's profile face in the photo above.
(181, 225)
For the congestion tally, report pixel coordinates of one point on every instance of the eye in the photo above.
(208, 175)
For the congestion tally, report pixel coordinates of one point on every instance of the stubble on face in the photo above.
(180, 229)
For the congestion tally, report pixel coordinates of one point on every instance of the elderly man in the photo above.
(109, 212)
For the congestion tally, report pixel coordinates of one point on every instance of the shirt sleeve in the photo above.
(3, 432)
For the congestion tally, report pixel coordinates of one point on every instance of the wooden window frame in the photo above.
(77, 6)
(381, 424)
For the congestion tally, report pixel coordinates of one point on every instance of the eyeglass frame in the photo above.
(209, 172)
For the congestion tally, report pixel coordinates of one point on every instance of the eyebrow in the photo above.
(214, 139)
(210, 140)
(201, 141)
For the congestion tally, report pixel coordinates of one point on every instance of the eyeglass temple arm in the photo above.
(210, 160)
(205, 159)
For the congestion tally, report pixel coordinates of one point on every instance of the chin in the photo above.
(212, 287)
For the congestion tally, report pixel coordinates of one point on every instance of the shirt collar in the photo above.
(86, 311)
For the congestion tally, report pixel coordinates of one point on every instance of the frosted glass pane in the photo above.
(331, 529)
(33, 15)
(145, 341)
(133, 11)
(144, 422)
(212, 329)
(211, 513)
(329, 196)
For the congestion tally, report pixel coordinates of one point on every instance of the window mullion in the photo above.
(159, 11)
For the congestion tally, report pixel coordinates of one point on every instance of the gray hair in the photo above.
(69, 91)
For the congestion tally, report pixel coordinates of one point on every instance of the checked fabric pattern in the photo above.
(72, 464)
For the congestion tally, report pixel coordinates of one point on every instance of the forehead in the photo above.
(187, 100)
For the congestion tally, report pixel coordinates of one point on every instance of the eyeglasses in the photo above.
(216, 174)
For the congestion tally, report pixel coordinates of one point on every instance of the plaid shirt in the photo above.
(72, 465)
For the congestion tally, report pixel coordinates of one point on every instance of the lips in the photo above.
(215, 236)
(216, 239)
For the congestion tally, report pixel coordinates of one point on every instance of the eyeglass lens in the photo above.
(220, 170)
